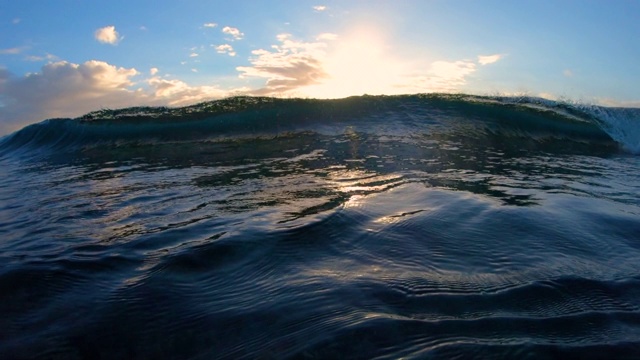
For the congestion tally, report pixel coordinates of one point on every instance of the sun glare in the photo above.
(358, 65)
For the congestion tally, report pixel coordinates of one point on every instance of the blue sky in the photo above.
(63, 58)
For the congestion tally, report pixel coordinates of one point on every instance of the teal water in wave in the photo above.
(425, 226)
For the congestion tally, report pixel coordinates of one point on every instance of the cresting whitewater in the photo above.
(417, 226)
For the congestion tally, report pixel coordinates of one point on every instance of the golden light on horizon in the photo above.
(358, 65)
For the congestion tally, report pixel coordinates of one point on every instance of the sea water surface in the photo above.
(422, 226)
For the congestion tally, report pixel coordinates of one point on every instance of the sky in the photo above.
(64, 58)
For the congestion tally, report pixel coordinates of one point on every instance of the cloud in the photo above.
(319, 8)
(178, 93)
(442, 76)
(235, 33)
(225, 49)
(16, 21)
(64, 89)
(329, 66)
(49, 57)
(567, 73)
(489, 59)
(448, 76)
(548, 96)
(617, 103)
(193, 55)
(289, 66)
(210, 25)
(12, 51)
(21, 49)
(350, 66)
(107, 35)
(327, 36)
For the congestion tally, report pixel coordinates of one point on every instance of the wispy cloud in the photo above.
(234, 32)
(49, 57)
(319, 8)
(107, 35)
(326, 36)
(448, 76)
(16, 21)
(193, 54)
(13, 51)
(225, 49)
(617, 103)
(489, 59)
(290, 65)
(210, 25)
(444, 76)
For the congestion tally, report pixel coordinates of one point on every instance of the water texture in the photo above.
(424, 226)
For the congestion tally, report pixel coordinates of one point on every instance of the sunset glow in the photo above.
(202, 50)
(360, 64)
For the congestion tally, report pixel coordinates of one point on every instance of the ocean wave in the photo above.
(423, 226)
(466, 117)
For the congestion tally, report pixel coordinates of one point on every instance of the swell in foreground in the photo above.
(369, 227)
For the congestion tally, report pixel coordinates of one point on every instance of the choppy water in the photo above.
(429, 226)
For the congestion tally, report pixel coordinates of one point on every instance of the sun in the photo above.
(358, 64)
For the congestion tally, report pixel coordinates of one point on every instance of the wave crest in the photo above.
(468, 116)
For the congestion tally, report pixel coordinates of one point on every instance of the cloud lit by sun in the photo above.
(360, 62)
(357, 64)
(363, 62)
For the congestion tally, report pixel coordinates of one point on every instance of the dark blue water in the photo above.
(374, 227)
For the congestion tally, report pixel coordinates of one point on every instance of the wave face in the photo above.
(377, 227)
(476, 119)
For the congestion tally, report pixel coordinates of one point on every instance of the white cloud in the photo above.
(442, 76)
(548, 96)
(617, 103)
(319, 8)
(210, 25)
(489, 59)
(153, 71)
(49, 57)
(193, 55)
(350, 66)
(12, 51)
(225, 49)
(64, 89)
(327, 36)
(178, 93)
(448, 76)
(108, 35)
(235, 33)
(289, 66)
